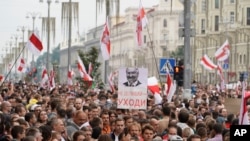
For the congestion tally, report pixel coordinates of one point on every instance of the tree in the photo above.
(178, 53)
(91, 56)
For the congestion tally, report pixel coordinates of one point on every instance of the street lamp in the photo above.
(22, 29)
(33, 15)
(48, 32)
(15, 37)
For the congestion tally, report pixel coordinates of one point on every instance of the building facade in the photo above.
(159, 37)
(215, 22)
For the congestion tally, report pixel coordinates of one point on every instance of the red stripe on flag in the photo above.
(207, 63)
(36, 42)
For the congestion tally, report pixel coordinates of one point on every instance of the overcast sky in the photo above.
(13, 15)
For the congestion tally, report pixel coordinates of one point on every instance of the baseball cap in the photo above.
(175, 138)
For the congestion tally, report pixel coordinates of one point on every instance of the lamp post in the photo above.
(48, 32)
(22, 29)
(33, 15)
(15, 37)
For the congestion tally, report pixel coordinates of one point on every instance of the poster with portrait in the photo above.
(132, 88)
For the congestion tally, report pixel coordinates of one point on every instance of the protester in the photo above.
(66, 115)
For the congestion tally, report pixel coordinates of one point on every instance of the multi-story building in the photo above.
(216, 21)
(159, 37)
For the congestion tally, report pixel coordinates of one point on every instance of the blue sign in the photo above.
(245, 75)
(225, 66)
(166, 65)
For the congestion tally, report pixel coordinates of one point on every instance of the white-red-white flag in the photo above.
(90, 68)
(111, 80)
(45, 77)
(34, 43)
(153, 86)
(207, 63)
(141, 23)
(52, 83)
(223, 52)
(21, 67)
(220, 73)
(243, 118)
(105, 41)
(170, 88)
(70, 77)
(82, 70)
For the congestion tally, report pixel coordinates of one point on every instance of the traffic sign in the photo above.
(166, 65)
(225, 66)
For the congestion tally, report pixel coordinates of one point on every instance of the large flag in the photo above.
(82, 70)
(21, 67)
(207, 63)
(105, 41)
(170, 88)
(90, 68)
(141, 23)
(153, 86)
(52, 83)
(223, 52)
(45, 77)
(34, 44)
(244, 119)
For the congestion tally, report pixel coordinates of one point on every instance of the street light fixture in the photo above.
(48, 32)
(15, 37)
(24, 53)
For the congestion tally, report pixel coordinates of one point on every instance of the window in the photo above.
(232, 17)
(165, 36)
(248, 16)
(203, 6)
(216, 23)
(216, 4)
(202, 26)
(165, 24)
(244, 60)
(231, 1)
(144, 39)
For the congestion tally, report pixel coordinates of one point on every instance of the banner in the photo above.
(132, 88)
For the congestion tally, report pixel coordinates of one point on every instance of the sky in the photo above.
(13, 16)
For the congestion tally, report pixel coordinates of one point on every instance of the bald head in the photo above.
(80, 118)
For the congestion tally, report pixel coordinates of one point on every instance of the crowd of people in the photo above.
(30, 113)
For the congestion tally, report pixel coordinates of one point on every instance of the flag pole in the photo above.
(151, 46)
(5, 78)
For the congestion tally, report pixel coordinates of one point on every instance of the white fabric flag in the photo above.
(34, 44)
(223, 52)
(105, 41)
(207, 63)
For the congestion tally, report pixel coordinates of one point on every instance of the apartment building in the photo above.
(215, 22)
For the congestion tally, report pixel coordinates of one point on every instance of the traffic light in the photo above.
(241, 77)
(179, 75)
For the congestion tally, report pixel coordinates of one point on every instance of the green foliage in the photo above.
(178, 53)
(91, 56)
(41, 61)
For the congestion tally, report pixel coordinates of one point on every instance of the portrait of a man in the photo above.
(132, 75)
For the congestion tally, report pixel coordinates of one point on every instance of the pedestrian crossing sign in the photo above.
(166, 65)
